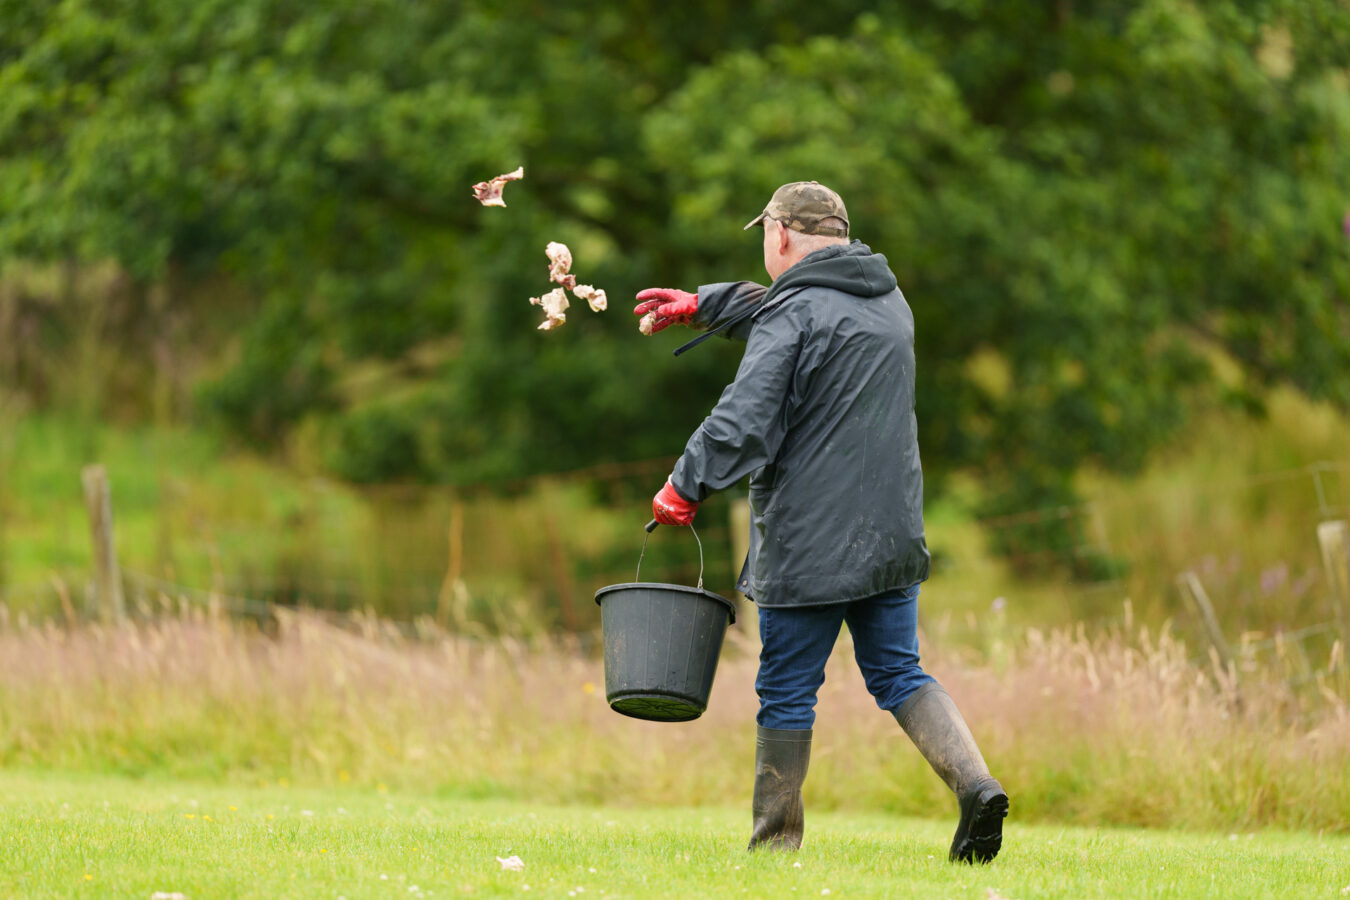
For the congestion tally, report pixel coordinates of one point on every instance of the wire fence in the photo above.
(531, 561)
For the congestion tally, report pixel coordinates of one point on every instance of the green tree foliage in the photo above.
(1139, 187)
(1083, 202)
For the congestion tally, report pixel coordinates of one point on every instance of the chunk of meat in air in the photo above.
(489, 193)
(559, 264)
(592, 295)
(555, 305)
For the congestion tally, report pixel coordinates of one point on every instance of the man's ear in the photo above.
(783, 239)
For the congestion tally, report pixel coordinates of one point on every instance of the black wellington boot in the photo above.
(934, 724)
(781, 757)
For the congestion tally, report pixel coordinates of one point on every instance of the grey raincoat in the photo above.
(821, 416)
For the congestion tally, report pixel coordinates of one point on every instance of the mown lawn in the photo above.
(83, 836)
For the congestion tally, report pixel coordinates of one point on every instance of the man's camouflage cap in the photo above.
(802, 206)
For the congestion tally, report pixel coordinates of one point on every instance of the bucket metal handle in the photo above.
(651, 526)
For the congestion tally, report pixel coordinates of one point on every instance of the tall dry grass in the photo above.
(1113, 728)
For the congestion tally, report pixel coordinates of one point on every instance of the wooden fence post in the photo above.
(1194, 591)
(1334, 537)
(739, 527)
(108, 599)
(454, 573)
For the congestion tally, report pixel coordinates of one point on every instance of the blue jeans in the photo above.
(797, 642)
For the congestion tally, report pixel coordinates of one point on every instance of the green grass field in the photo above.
(82, 836)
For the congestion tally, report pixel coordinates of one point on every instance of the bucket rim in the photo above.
(678, 588)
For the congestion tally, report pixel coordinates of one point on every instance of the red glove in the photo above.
(672, 509)
(669, 306)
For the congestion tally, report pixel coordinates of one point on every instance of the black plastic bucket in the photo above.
(662, 642)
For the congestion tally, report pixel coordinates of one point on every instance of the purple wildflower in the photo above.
(1273, 578)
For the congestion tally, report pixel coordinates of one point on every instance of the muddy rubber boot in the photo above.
(934, 724)
(781, 757)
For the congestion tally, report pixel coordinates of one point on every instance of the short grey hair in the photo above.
(815, 241)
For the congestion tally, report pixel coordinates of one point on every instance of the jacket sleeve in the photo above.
(745, 430)
(722, 301)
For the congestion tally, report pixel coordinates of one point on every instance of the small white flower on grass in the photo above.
(824, 891)
(592, 870)
(384, 877)
(991, 894)
(796, 865)
(306, 812)
(512, 863)
(168, 895)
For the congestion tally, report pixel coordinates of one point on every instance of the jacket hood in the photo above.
(852, 268)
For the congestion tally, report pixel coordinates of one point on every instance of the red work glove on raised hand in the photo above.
(670, 508)
(668, 305)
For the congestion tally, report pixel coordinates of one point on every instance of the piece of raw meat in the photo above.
(489, 193)
(555, 305)
(592, 295)
(559, 264)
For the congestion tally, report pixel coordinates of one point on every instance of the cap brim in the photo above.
(756, 220)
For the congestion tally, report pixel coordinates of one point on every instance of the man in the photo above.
(821, 416)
